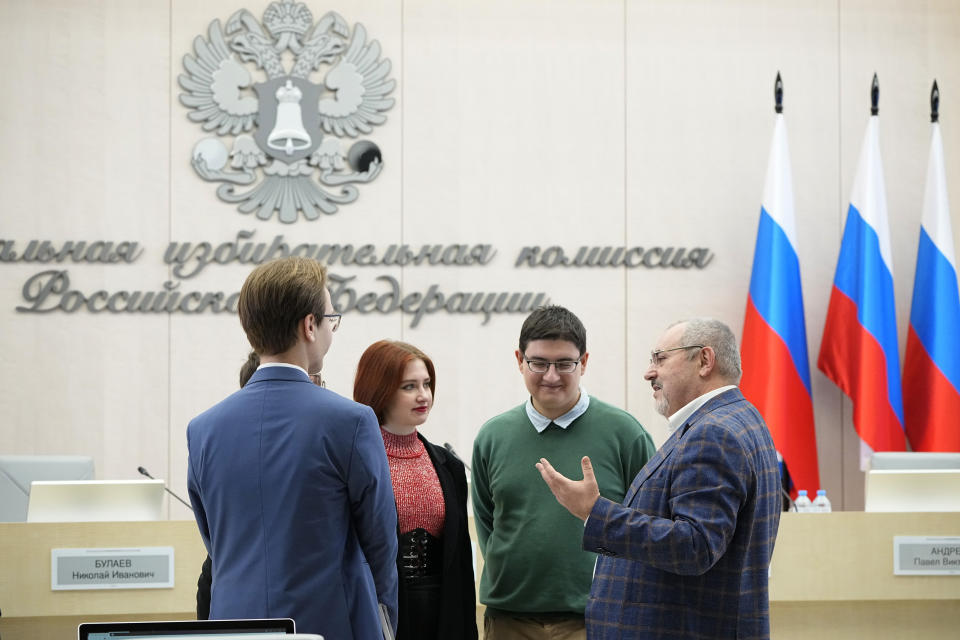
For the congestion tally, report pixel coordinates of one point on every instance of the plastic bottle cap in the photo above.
(802, 492)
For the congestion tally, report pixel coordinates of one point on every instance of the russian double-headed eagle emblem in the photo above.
(287, 127)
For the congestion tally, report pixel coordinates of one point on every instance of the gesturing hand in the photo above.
(577, 496)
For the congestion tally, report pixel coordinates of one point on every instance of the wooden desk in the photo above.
(832, 579)
(32, 610)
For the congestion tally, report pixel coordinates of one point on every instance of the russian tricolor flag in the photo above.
(776, 368)
(931, 368)
(859, 347)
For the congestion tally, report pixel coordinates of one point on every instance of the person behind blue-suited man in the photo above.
(686, 554)
(289, 481)
(249, 367)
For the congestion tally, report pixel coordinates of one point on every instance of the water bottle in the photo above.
(821, 504)
(803, 502)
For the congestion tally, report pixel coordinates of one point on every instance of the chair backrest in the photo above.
(908, 481)
(18, 472)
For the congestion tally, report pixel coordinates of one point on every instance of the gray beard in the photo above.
(663, 406)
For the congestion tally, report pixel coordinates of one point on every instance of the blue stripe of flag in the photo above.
(863, 276)
(776, 291)
(935, 311)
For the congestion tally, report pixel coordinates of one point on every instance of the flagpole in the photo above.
(866, 451)
(931, 373)
(773, 347)
(859, 348)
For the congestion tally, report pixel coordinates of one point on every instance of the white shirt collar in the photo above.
(676, 421)
(541, 422)
(281, 364)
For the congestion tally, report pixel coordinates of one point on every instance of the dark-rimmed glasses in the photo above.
(335, 317)
(657, 357)
(542, 366)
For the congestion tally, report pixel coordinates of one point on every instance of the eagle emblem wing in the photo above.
(213, 84)
(360, 85)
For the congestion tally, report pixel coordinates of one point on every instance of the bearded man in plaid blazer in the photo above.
(686, 555)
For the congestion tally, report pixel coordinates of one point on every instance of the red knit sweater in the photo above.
(415, 484)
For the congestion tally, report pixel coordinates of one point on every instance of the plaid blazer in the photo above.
(686, 555)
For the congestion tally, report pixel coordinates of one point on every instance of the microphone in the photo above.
(144, 472)
(793, 505)
(449, 448)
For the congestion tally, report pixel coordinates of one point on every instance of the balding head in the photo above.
(717, 335)
(691, 358)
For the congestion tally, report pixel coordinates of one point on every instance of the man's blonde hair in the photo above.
(276, 296)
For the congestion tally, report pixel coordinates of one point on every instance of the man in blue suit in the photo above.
(686, 554)
(289, 482)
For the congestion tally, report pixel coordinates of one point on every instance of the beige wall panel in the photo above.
(85, 159)
(513, 136)
(943, 34)
(85, 134)
(512, 111)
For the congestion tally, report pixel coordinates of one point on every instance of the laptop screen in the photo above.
(186, 629)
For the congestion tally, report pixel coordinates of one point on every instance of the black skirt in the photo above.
(421, 609)
(421, 557)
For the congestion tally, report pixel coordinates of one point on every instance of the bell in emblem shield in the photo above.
(289, 126)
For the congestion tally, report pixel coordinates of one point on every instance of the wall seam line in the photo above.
(403, 78)
(170, 429)
(626, 220)
(843, 400)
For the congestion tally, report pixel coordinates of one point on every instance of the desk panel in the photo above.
(32, 610)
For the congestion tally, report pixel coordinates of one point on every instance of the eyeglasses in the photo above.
(657, 357)
(317, 379)
(542, 366)
(335, 317)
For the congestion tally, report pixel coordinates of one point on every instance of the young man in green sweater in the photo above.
(536, 577)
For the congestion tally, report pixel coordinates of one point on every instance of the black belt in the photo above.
(421, 554)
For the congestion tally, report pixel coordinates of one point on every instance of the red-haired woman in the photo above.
(434, 562)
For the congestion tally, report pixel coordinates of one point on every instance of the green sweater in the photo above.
(533, 560)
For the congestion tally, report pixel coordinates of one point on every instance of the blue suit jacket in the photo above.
(686, 554)
(292, 494)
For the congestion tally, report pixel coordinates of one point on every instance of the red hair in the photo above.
(380, 372)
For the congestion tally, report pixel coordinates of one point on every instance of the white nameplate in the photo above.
(135, 568)
(926, 555)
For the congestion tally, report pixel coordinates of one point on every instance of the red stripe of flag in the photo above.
(846, 341)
